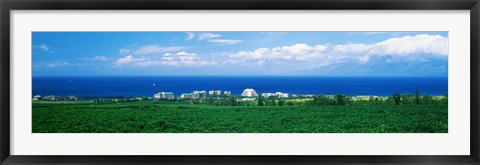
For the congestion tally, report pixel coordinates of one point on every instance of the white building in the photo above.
(276, 94)
(215, 92)
(248, 99)
(249, 93)
(281, 95)
(51, 98)
(164, 95)
(227, 92)
(37, 97)
(199, 94)
(268, 94)
(186, 96)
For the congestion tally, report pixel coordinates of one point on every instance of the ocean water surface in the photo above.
(149, 85)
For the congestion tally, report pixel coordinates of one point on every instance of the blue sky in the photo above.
(240, 53)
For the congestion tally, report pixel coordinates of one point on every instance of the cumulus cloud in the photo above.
(128, 59)
(150, 49)
(407, 45)
(181, 58)
(225, 41)
(417, 47)
(296, 52)
(182, 53)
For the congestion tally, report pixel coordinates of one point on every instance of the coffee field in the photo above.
(181, 117)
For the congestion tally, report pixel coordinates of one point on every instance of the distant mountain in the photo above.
(430, 67)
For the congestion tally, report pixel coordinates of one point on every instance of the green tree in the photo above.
(340, 99)
(427, 99)
(209, 101)
(396, 98)
(260, 101)
(371, 101)
(231, 101)
(272, 101)
(321, 100)
(290, 103)
(407, 99)
(281, 102)
(417, 96)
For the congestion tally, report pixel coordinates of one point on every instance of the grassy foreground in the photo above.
(165, 117)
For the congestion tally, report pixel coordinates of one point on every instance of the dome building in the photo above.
(249, 93)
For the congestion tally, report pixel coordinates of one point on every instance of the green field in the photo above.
(178, 117)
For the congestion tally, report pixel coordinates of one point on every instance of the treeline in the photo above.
(338, 99)
(395, 99)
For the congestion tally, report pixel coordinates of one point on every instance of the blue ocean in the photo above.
(149, 85)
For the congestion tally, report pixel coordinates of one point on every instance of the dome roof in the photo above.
(249, 93)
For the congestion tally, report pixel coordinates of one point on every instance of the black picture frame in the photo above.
(8, 5)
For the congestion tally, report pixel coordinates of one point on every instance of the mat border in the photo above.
(8, 5)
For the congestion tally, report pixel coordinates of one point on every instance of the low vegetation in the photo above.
(339, 114)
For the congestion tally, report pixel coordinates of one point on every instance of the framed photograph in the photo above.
(239, 82)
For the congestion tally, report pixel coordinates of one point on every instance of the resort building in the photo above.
(37, 97)
(186, 96)
(215, 92)
(199, 94)
(281, 95)
(227, 92)
(164, 95)
(248, 99)
(267, 94)
(249, 93)
(51, 98)
(307, 95)
(71, 98)
(277, 94)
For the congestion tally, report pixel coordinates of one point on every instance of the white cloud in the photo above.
(363, 59)
(62, 63)
(168, 59)
(182, 53)
(225, 41)
(185, 57)
(128, 59)
(350, 48)
(57, 64)
(190, 36)
(168, 56)
(407, 45)
(211, 37)
(417, 47)
(149, 49)
(96, 58)
(43, 47)
(187, 63)
(207, 36)
(296, 52)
